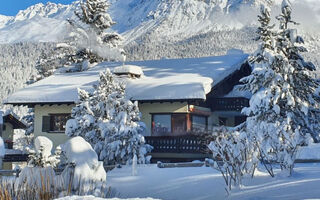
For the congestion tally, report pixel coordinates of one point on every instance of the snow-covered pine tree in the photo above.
(262, 83)
(305, 106)
(109, 122)
(279, 105)
(88, 41)
(91, 39)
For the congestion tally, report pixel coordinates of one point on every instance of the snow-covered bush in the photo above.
(41, 156)
(109, 122)
(234, 155)
(84, 174)
(83, 169)
(283, 106)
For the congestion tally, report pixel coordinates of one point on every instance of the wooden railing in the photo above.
(229, 104)
(15, 158)
(177, 144)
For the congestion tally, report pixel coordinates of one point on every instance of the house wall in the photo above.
(8, 133)
(40, 111)
(147, 109)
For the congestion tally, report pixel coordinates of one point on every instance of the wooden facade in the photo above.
(188, 147)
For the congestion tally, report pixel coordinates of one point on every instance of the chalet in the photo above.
(8, 123)
(176, 97)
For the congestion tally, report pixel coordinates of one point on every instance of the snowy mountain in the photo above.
(131, 15)
(167, 19)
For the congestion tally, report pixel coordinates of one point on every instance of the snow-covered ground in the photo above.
(95, 198)
(200, 183)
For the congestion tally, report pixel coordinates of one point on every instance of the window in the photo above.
(4, 127)
(199, 123)
(179, 124)
(55, 123)
(169, 124)
(161, 125)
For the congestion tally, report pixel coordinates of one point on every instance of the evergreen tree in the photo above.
(89, 33)
(88, 41)
(303, 86)
(109, 122)
(263, 111)
(282, 90)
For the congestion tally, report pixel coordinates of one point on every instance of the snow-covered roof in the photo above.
(166, 79)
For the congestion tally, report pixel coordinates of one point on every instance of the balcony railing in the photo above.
(178, 144)
(229, 104)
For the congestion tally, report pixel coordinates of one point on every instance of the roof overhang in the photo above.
(16, 123)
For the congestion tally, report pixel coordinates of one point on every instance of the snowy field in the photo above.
(201, 183)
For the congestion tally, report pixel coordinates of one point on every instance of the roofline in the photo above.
(32, 104)
(11, 119)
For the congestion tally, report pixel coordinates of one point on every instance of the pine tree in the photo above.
(89, 35)
(263, 111)
(282, 88)
(109, 122)
(303, 86)
(88, 41)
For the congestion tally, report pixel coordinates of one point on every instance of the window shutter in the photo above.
(46, 123)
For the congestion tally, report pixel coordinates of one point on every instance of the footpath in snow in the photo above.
(205, 183)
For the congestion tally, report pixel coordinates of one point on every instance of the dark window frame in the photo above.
(188, 119)
(52, 122)
(205, 116)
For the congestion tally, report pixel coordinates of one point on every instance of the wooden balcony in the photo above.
(178, 144)
(229, 104)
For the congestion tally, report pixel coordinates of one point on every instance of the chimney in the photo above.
(130, 71)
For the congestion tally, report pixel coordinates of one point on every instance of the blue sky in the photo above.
(12, 7)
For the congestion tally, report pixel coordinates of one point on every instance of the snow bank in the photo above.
(311, 152)
(205, 183)
(87, 167)
(95, 198)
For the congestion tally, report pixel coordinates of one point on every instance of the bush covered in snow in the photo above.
(41, 156)
(234, 155)
(83, 167)
(109, 122)
(83, 175)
